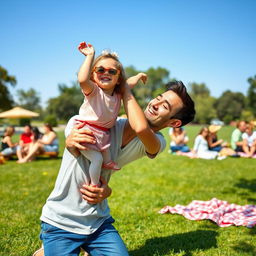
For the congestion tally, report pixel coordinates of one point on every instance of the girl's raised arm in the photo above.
(84, 73)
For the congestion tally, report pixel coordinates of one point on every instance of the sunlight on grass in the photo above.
(140, 190)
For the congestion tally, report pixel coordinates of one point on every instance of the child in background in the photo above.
(101, 82)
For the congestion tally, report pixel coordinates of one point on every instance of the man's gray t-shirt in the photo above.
(65, 208)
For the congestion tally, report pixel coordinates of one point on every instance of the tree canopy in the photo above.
(6, 99)
(229, 106)
(67, 103)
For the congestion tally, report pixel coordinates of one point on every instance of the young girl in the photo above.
(201, 147)
(101, 82)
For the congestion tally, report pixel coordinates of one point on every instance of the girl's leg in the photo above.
(19, 153)
(32, 152)
(96, 160)
(58, 242)
(252, 150)
(107, 162)
(106, 156)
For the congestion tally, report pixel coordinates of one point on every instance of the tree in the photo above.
(205, 110)
(6, 100)
(199, 90)
(157, 78)
(251, 94)
(67, 103)
(29, 99)
(204, 103)
(230, 106)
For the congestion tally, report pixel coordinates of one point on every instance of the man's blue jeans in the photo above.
(104, 241)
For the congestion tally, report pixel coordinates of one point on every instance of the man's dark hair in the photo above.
(187, 112)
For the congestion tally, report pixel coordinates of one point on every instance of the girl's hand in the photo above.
(86, 49)
(94, 195)
(132, 81)
(143, 77)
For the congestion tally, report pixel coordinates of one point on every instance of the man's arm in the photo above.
(76, 136)
(138, 123)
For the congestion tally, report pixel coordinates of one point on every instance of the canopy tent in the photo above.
(18, 112)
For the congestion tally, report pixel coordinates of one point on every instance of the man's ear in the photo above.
(174, 123)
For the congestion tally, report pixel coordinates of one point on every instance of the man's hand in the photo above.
(94, 195)
(132, 81)
(86, 49)
(78, 136)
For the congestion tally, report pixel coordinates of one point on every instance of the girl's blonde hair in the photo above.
(112, 55)
(9, 131)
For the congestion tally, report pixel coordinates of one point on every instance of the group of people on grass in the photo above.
(31, 143)
(208, 146)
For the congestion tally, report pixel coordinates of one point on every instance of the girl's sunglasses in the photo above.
(101, 70)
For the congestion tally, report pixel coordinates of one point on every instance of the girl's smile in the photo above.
(106, 75)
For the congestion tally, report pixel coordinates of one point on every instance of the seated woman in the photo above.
(8, 147)
(24, 143)
(249, 141)
(214, 143)
(179, 139)
(47, 143)
(201, 147)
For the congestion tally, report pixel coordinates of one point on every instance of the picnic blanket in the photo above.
(221, 212)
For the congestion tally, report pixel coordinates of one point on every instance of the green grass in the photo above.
(140, 190)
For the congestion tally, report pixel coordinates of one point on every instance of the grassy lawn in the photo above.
(140, 190)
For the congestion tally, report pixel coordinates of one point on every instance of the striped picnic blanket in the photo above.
(221, 212)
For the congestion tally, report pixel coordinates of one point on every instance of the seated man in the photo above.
(236, 137)
(68, 222)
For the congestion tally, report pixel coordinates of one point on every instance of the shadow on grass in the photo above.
(244, 247)
(186, 242)
(247, 184)
(250, 185)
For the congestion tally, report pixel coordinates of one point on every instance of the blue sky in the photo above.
(197, 41)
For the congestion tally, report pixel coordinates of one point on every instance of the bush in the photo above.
(24, 121)
(52, 120)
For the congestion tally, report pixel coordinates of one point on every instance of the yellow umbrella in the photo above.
(18, 112)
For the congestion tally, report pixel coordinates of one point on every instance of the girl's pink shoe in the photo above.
(111, 166)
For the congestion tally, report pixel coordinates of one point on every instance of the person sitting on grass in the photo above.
(47, 143)
(179, 140)
(249, 141)
(25, 140)
(68, 221)
(214, 143)
(236, 137)
(8, 147)
(201, 147)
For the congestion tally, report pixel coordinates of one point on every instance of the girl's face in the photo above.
(106, 74)
(46, 129)
(205, 133)
(249, 130)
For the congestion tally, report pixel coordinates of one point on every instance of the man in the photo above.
(68, 222)
(236, 137)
